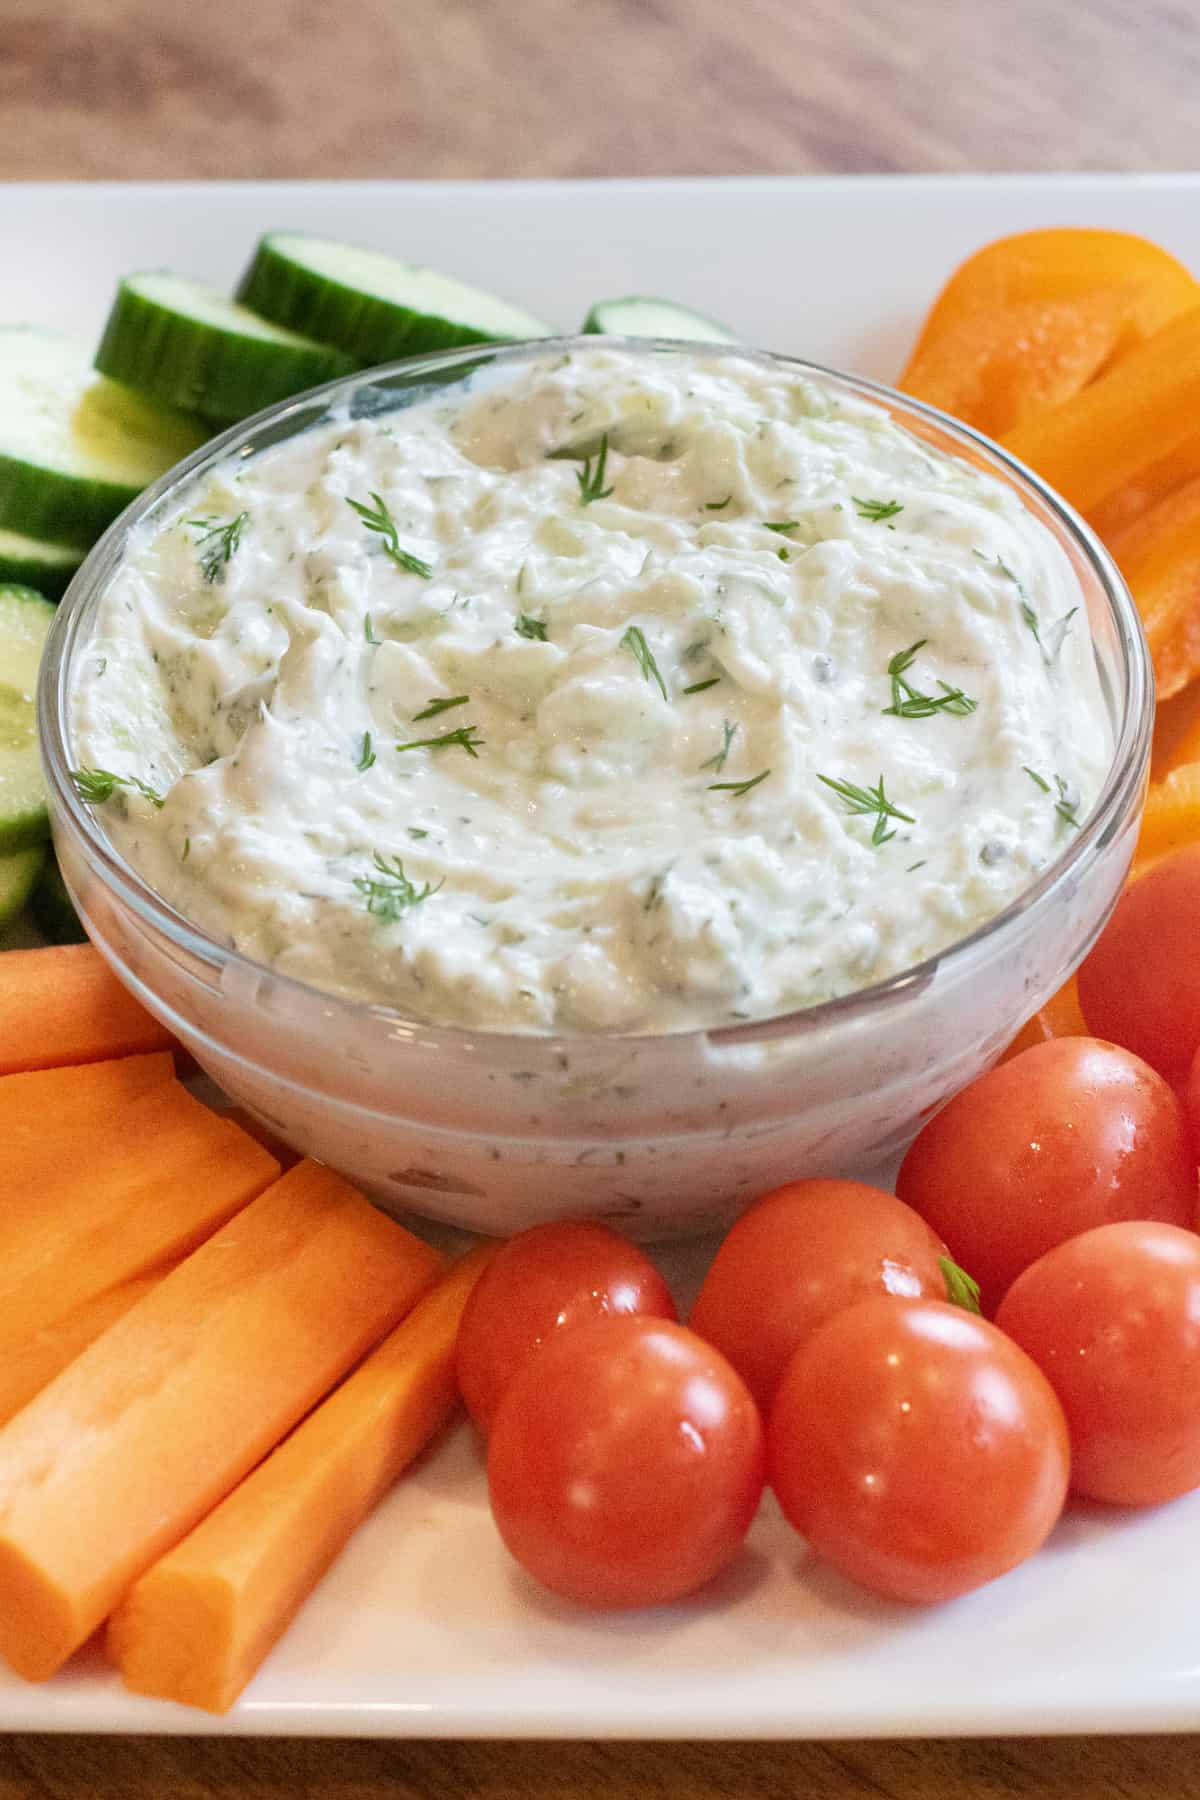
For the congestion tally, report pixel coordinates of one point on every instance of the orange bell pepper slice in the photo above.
(1176, 732)
(1029, 320)
(1163, 477)
(1159, 556)
(1171, 818)
(1121, 425)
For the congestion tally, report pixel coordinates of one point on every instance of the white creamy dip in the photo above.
(520, 741)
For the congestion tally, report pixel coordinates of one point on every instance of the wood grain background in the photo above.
(228, 88)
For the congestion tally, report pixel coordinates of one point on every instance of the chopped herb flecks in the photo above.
(717, 505)
(95, 786)
(1066, 808)
(717, 762)
(591, 476)
(737, 787)
(1031, 619)
(876, 510)
(780, 524)
(440, 706)
(867, 801)
(698, 687)
(634, 640)
(379, 520)
(530, 628)
(218, 544)
(366, 756)
(909, 702)
(465, 738)
(391, 893)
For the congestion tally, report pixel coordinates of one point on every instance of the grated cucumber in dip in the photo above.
(625, 693)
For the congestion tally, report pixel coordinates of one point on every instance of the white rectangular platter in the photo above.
(423, 1628)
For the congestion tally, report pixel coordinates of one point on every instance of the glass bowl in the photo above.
(661, 1134)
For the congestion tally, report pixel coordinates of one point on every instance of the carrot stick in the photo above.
(198, 1624)
(64, 1005)
(114, 1199)
(1111, 432)
(29, 1366)
(1171, 817)
(38, 1107)
(145, 1432)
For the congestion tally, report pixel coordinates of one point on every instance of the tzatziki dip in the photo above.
(618, 691)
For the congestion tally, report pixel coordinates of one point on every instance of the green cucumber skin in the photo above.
(50, 580)
(18, 877)
(61, 508)
(50, 906)
(369, 329)
(594, 326)
(202, 369)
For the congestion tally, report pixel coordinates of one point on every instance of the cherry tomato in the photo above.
(1140, 985)
(1112, 1319)
(799, 1255)
(917, 1448)
(540, 1282)
(1191, 1105)
(625, 1463)
(1070, 1134)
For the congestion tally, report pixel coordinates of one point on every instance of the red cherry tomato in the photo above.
(625, 1463)
(917, 1448)
(540, 1282)
(1140, 985)
(1112, 1319)
(1070, 1134)
(799, 1255)
(1191, 1105)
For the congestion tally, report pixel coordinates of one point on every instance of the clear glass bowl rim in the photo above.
(1117, 799)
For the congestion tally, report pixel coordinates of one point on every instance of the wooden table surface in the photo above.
(156, 88)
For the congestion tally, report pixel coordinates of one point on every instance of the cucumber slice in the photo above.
(50, 907)
(24, 620)
(373, 306)
(31, 563)
(635, 316)
(17, 876)
(75, 449)
(189, 346)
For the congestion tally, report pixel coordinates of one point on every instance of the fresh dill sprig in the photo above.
(698, 687)
(440, 706)
(717, 505)
(1031, 619)
(379, 520)
(591, 476)
(909, 702)
(530, 628)
(961, 1289)
(465, 738)
(780, 524)
(218, 543)
(1066, 808)
(391, 893)
(634, 640)
(876, 510)
(369, 630)
(95, 786)
(867, 801)
(366, 755)
(737, 787)
(717, 762)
